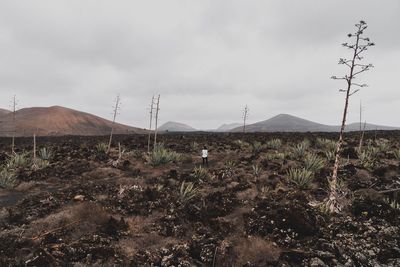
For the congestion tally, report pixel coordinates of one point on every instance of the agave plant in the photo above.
(162, 155)
(45, 154)
(383, 145)
(7, 178)
(367, 159)
(301, 178)
(299, 151)
(137, 154)
(18, 161)
(313, 163)
(370, 149)
(102, 147)
(194, 146)
(264, 191)
(200, 173)
(257, 169)
(187, 192)
(256, 147)
(274, 143)
(242, 144)
(326, 144)
(393, 203)
(396, 154)
(230, 164)
(306, 143)
(39, 164)
(330, 155)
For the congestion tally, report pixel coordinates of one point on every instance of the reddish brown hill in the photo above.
(4, 111)
(59, 121)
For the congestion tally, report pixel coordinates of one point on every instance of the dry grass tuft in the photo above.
(252, 251)
(90, 213)
(87, 216)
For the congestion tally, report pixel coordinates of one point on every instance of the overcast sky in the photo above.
(207, 59)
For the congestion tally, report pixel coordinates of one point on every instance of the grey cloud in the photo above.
(206, 58)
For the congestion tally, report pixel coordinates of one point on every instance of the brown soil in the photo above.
(82, 211)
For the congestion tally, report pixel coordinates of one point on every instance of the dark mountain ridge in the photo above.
(289, 123)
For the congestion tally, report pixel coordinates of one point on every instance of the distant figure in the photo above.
(204, 155)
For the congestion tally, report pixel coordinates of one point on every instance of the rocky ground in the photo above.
(90, 208)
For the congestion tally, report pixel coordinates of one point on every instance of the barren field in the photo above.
(257, 204)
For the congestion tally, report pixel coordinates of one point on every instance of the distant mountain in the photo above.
(4, 111)
(289, 123)
(228, 127)
(46, 121)
(368, 127)
(286, 123)
(172, 126)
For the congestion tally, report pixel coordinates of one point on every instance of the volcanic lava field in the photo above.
(256, 204)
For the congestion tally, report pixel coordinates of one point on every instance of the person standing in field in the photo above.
(204, 155)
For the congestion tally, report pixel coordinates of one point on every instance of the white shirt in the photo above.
(204, 153)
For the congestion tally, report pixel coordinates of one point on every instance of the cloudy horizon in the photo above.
(207, 59)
